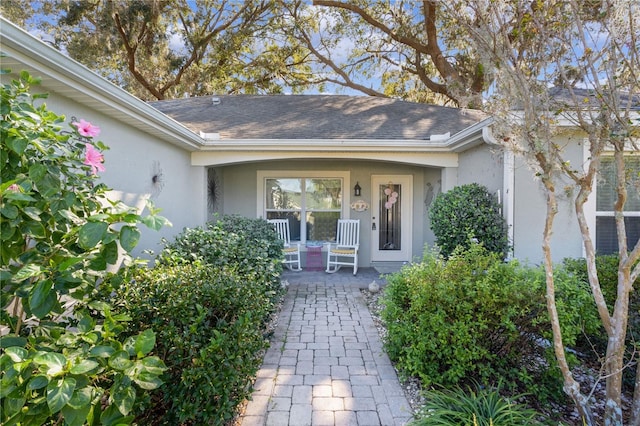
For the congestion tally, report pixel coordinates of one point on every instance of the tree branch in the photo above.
(131, 59)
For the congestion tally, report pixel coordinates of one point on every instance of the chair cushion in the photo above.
(343, 251)
(290, 250)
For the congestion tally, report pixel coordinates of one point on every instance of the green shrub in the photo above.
(210, 326)
(595, 338)
(465, 213)
(474, 317)
(65, 358)
(210, 295)
(474, 407)
(251, 245)
(463, 318)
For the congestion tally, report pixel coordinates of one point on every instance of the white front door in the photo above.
(391, 218)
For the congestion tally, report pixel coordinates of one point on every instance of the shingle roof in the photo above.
(315, 117)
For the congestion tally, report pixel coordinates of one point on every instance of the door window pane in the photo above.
(390, 217)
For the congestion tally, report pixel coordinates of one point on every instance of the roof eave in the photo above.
(327, 145)
(470, 137)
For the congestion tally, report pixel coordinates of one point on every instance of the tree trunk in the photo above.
(570, 386)
(635, 407)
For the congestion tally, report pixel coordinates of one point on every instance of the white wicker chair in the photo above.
(344, 252)
(291, 251)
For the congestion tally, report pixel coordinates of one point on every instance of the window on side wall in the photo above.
(606, 195)
(312, 205)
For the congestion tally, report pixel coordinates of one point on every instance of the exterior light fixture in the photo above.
(357, 190)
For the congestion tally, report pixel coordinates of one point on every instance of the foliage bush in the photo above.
(594, 343)
(65, 358)
(209, 298)
(465, 213)
(250, 245)
(474, 317)
(473, 407)
(456, 319)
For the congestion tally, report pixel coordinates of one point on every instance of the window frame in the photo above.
(606, 213)
(263, 175)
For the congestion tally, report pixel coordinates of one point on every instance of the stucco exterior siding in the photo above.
(483, 165)
(530, 211)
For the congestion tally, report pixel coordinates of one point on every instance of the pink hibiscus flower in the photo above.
(93, 158)
(87, 129)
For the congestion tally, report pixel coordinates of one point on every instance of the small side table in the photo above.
(314, 257)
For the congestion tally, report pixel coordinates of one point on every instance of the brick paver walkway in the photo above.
(326, 365)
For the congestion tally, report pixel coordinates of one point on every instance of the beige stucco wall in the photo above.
(482, 164)
(130, 163)
(530, 210)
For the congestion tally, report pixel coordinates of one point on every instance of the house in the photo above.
(309, 158)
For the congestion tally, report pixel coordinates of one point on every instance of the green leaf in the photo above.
(17, 145)
(85, 366)
(91, 234)
(75, 416)
(38, 382)
(110, 253)
(129, 237)
(155, 222)
(145, 342)
(41, 299)
(81, 397)
(54, 362)
(37, 172)
(9, 211)
(18, 196)
(7, 341)
(12, 406)
(49, 186)
(111, 416)
(147, 380)
(86, 324)
(29, 270)
(153, 365)
(99, 305)
(70, 216)
(124, 397)
(67, 263)
(90, 338)
(102, 351)
(33, 212)
(16, 354)
(120, 360)
(36, 229)
(59, 393)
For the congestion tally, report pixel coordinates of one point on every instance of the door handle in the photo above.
(373, 224)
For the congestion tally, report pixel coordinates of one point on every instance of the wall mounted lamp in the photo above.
(357, 190)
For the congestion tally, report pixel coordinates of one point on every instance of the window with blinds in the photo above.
(606, 196)
(312, 205)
